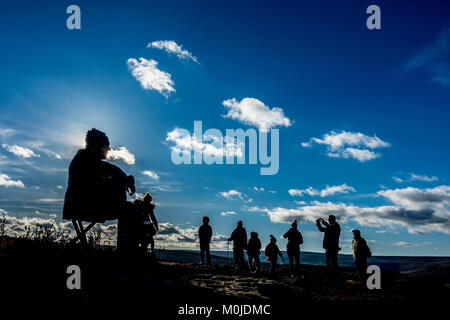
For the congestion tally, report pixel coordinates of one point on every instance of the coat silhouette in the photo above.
(96, 189)
(295, 239)
(239, 238)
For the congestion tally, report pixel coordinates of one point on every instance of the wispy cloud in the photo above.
(327, 191)
(151, 174)
(228, 213)
(6, 181)
(254, 112)
(404, 244)
(20, 151)
(172, 47)
(346, 145)
(121, 153)
(415, 177)
(150, 77)
(434, 58)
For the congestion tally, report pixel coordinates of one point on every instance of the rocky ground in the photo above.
(36, 272)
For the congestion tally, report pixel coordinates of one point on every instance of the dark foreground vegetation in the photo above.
(34, 271)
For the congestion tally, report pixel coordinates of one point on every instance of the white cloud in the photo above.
(150, 77)
(121, 153)
(2, 211)
(254, 112)
(186, 143)
(404, 244)
(420, 211)
(328, 191)
(227, 213)
(20, 151)
(397, 179)
(349, 145)
(232, 194)
(258, 189)
(6, 181)
(172, 47)
(417, 177)
(59, 187)
(151, 174)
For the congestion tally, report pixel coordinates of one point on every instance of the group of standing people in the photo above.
(331, 230)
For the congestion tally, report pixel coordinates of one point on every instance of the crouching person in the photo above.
(137, 228)
(272, 252)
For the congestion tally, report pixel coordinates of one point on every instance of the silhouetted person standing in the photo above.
(239, 238)
(332, 232)
(272, 252)
(295, 239)
(361, 252)
(253, 251)
(204, 235)
(96, 189)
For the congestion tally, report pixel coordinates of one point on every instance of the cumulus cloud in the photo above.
(328, 191)
(172, 47)
(150, 77)
(258, 189)
(420, 211)
(151, 174)
(186, 143)
(346, 145)
(434, 59)
(6, 181)
(121, 153)
(20, 151)
(228, 213)
(254, 112)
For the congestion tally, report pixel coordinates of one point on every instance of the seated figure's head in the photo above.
(97, 142)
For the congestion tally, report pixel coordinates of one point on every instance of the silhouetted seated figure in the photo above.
(253, 251)
(272, 252)
(204, 236)
(361, 252)
(136, 229)
(332, 232)
(96, 189)
(295, 239)
(239, 238)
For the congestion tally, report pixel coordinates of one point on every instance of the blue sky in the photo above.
(365, 133)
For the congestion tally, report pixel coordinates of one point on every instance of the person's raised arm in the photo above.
(319, 226)
(286, 234)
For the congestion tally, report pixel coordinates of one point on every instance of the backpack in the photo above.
(368, 252)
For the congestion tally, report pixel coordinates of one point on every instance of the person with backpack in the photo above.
(239, 238)
(272, 252)
(205, 235)
(253, 251)
(295, 239)
(361, 252)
